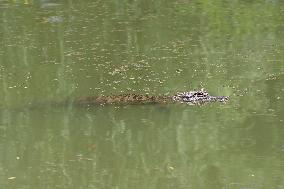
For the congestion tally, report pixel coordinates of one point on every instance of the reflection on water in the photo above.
(53, 50)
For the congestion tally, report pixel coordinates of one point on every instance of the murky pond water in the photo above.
(53, 50)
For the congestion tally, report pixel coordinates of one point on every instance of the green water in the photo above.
(53, 50)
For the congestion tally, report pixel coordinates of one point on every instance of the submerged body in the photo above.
(191, 98)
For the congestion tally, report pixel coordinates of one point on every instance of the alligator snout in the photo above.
(223, 98)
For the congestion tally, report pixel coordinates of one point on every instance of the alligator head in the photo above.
(198, 97)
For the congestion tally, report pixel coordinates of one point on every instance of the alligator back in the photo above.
(122, 99)
(191, 97)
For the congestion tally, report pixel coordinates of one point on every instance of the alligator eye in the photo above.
(185, 98)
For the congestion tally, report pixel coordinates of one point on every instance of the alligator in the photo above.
(198, 97)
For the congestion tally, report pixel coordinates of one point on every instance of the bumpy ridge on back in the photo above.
(190, 97)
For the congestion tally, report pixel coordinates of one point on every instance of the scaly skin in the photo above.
(122, 99)
(191, 97)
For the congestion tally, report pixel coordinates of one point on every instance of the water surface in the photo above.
(53, 50)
